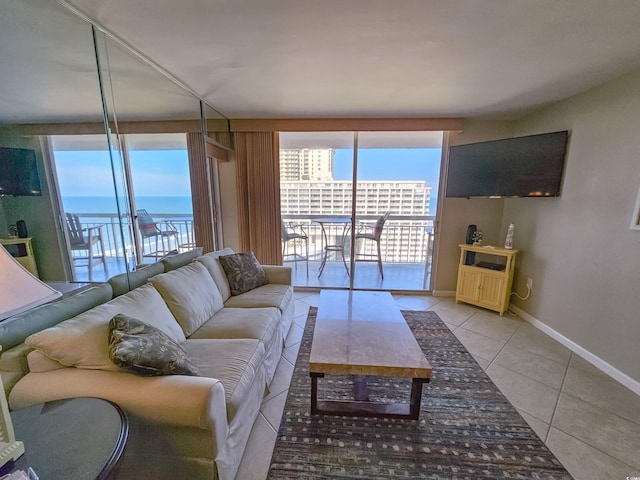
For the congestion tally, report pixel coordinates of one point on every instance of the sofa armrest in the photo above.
(278, 274)
(173, 399)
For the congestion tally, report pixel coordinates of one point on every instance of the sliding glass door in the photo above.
(161, 193)
(89, 206)
(397, 185)
(386, 242)
(316, 200)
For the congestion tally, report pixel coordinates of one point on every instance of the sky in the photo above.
(166, 172)
(155, 173)
(392, 164)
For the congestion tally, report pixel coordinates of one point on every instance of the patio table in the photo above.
(338, 244)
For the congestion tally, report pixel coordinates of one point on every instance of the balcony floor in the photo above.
(397, 276)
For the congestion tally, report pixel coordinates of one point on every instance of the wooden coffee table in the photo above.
(364, 334)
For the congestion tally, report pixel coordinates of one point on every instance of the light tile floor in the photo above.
(588, 420)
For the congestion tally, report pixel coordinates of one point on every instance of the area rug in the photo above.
(467, 429)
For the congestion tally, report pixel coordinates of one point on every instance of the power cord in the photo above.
(523, 298)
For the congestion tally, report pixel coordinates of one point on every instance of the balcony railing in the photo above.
(113, 240)
(404, 239)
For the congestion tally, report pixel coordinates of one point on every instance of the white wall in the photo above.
(578, 248)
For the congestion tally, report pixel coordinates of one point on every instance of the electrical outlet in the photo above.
(529, 283)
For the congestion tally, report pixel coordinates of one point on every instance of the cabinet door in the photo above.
(492, 290)
(468, 285)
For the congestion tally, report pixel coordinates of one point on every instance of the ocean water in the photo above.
(175, 206)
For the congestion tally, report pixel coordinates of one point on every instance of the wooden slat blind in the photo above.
(202, 217)
(258, 177)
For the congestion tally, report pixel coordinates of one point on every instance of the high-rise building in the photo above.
(306, 163)
(333, 197)
(405, 238)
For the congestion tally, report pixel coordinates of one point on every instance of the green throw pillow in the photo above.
(244, 272)
(140, 348)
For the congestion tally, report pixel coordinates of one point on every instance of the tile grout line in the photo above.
(624, 462)
(518, 373)
(600, 408)
(501, 349)
(531, 378)
(555, 407)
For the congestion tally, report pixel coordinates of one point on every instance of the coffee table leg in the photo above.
(363, 407)
(416, 397)
(360, 388)
(314, 391)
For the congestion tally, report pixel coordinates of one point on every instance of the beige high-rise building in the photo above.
(306, 164)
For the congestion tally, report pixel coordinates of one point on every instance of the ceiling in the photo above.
(498, 59)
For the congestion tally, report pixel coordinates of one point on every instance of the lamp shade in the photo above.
(19, 290)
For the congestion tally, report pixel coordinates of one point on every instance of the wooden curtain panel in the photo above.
(202, 214)
(258, 177)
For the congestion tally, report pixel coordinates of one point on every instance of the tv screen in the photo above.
(18, 172)
(529, 166)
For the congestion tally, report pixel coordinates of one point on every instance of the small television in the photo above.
(529, 166)
(18, 172)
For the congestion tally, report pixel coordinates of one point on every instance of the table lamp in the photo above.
(19, 289)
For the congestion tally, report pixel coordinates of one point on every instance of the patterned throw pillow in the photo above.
(244, 272)
(140, 348)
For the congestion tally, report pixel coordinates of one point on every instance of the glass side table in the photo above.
(79, 438)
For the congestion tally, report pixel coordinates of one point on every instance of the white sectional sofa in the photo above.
(181, 426)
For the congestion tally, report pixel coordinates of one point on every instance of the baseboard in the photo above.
(594, 360)
(444, 293)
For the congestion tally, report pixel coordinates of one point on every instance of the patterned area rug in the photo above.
(467, 428)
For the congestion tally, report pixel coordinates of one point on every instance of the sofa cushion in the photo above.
(125, 282)
(270, 295)
(13, 366)
(235, 362)
(173, 262)
(258, 323)
(39, 362)
(137, 347)
(82, 341)
(146, 304)
(244, 272)
(212, 262)
(191, 295)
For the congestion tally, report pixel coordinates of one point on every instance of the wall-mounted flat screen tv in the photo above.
(18, 172)
(529, 166)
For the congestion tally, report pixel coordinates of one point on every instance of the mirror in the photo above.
(52, 102)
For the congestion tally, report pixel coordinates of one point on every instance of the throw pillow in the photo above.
(139, 348)
(244, 272)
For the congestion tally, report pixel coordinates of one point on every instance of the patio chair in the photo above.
(149, 230)
(372, 233)
(296, 238)
(85, 239)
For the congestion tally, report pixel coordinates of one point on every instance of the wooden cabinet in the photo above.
(485, 276)
(22, 251)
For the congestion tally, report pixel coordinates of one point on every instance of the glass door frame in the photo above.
(425, 251)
